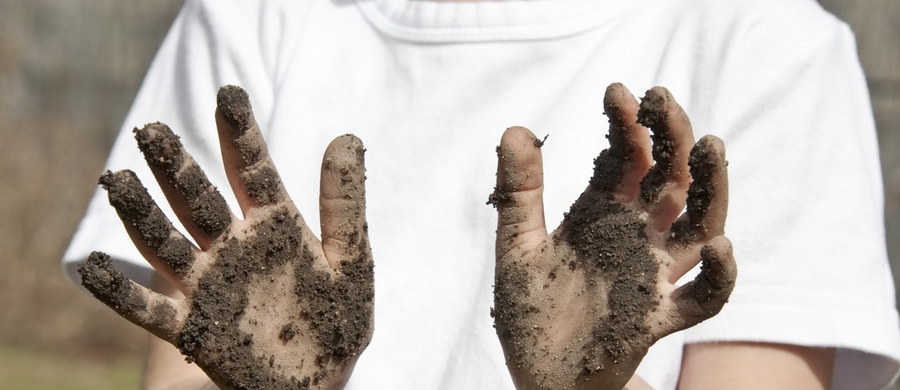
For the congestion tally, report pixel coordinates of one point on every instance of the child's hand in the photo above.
(268, 306)
(578, 309)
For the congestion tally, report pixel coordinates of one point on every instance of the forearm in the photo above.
(756, 366)
(165, 368)
(636, 383)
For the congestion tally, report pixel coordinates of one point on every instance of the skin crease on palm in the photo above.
(574, 309)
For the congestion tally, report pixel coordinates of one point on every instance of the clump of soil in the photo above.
(652, 114)
(329, 311)
(603, 247)
(287, 333)
(602, 255)
(333, 310)
(498, 197)
(512, 287)
(263, 185)
(110, 285)
(612, 249)
(145, 221)
(338, 309)
(234, 105)
(258, 176)
(609, 165)
(703, 162)
(178, 173)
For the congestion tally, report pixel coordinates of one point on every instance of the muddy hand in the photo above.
(267, 305)
(578, 308)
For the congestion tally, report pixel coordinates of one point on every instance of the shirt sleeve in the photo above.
(806, 200)
(210, 44)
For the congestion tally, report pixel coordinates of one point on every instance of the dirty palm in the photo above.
(575, 308)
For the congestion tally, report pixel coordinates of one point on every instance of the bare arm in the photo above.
(756, 366)
(165, 368)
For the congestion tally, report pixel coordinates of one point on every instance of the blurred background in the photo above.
(69, 70)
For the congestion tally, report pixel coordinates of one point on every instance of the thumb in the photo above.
(518, 195)
(342, 201)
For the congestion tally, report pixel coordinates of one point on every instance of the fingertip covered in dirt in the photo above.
(234, 105)
(182, 179)
(109, 284)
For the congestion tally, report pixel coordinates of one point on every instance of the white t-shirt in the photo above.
(430, 86)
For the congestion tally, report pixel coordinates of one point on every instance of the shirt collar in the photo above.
(443, 21)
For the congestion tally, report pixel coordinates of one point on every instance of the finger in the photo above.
(621, 168)
(705, 296)
(155, 312)
(167, 250)
(342, 201)
(518, 195)
(707, 204)
(197, 203)
(664, 187)
(250, 171)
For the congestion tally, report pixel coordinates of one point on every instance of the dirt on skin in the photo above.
(99, 277)
(700, 195)
(255, 269)
(609, 165)
(144, 220)
(651, 115)
(124, 296)
(179, 172)
(260, 181)
(612, 250)
(607, 244)
(337, 310)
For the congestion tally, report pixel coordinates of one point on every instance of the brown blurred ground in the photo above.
(68, 72)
